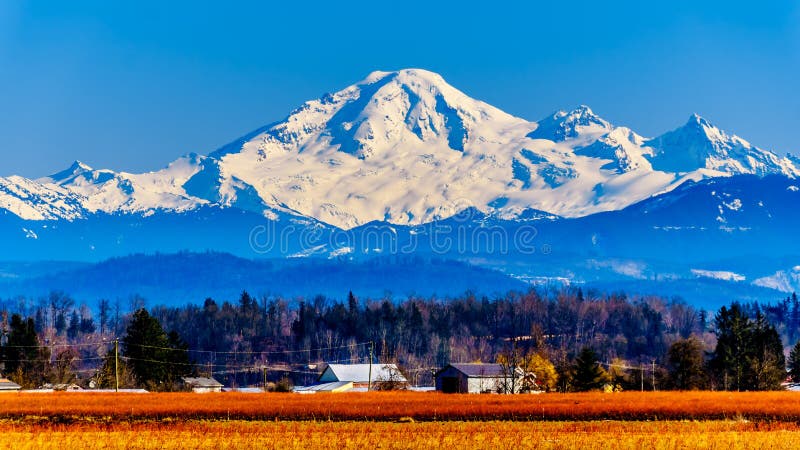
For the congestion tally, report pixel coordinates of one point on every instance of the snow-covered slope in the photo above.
(699, 144)
(782, 280)
(34, 201)
(407, 148)
(110, 192)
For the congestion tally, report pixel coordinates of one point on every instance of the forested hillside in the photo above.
(573, 339)
(186, 277)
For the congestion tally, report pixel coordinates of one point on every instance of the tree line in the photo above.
(569, 339)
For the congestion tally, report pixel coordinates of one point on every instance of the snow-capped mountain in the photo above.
(35, 201)
(699, 144)
(405, 147)
(783, 280)
(111, 192)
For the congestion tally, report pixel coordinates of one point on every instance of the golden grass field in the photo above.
(631, 420)
(312, 435)
(388, 406)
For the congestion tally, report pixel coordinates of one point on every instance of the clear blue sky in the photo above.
(131, 85)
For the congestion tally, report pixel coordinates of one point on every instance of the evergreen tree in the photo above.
(588, 373)
(794, 363)
(686, 365)
(74, 325)
(87, 325)
(60, 323)
(730, 360)
(40, 321)
(23, 358)
(749, 354)
(767, 365)
(703, 320)
(352, 314)
(179, 362)
(794, 317)
(152, 358)
(105, 310)
(87, 321)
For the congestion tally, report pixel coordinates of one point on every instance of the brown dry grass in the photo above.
(311, 435)
(77, 407)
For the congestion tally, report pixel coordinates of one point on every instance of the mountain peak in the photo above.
(583, 110)
(406, 147)
(377, 115)
(699, 144)
(79, 165)
(697, 128)
(563, 125)
(415, 83)
(75, 169)
(584, 116)
(695, 118)
(406, 75)
(697, 121)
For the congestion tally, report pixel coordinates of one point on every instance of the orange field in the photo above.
(311, 435)
(77, 407)
(630, 420)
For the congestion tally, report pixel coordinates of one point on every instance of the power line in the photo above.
(173, 363)
(58, 345)
(274, 352)
(249, 368)
(52, 360)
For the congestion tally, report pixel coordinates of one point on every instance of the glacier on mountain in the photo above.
(407, 148)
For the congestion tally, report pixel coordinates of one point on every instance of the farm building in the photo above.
(359, 375)
(202, 385)
(477, 378)
(7, 385)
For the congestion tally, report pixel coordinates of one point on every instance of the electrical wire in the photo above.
(276, 352)
(59, 345)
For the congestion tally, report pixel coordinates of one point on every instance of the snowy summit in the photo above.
(407, 148)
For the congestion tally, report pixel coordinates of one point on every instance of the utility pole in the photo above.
(654, 375)
(116, 365)
(641, 374)
(369, 382)
(211, 364)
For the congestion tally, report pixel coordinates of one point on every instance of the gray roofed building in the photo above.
(7, 385)
(359, 374)
(478, 378)
(202, 384)
(480, 370)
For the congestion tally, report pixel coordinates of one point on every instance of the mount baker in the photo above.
(407, 148)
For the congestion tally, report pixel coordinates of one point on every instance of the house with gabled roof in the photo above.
(7, 385)
(477, 378)
(202, 385)
(360, 376)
